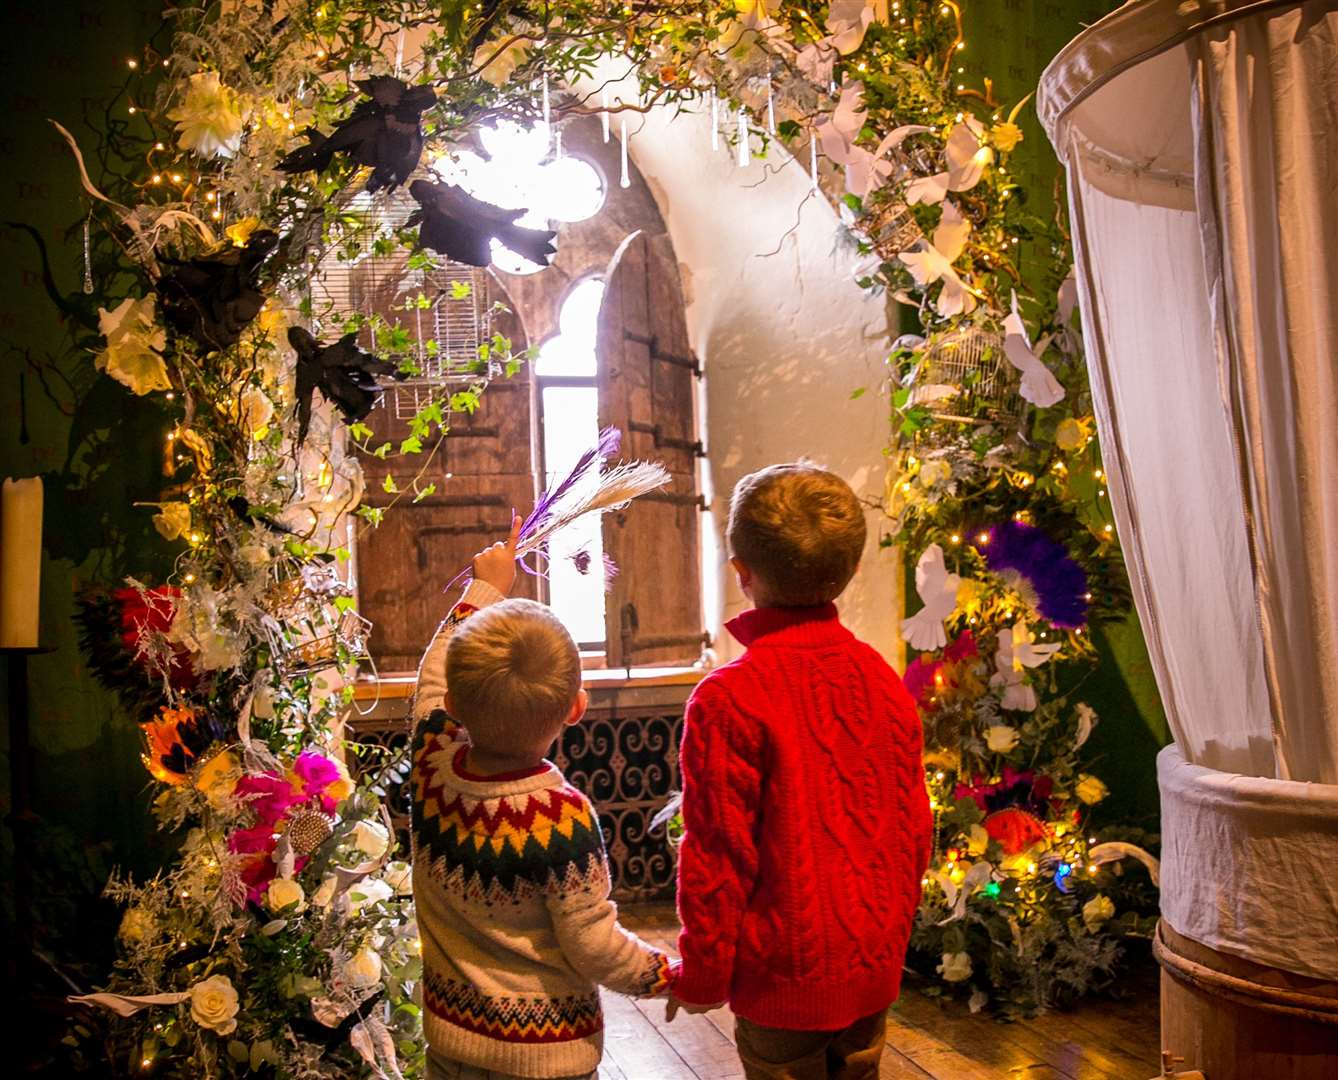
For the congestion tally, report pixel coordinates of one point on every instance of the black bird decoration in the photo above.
(344, 373)
(214, 297)
(382, 132)
(460, 226)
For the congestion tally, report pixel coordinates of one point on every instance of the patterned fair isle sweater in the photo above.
(511, 885)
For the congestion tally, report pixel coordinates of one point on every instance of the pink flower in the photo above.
(269, 797)
(316, 771)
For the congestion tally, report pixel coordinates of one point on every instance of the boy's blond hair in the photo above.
(513, 674)
(800, 530)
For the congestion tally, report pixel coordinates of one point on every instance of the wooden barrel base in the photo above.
(1235, 1020)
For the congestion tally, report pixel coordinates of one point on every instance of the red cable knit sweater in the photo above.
(808, 826)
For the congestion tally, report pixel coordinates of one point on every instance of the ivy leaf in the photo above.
(859, 393)
(371, 514)
(388, 485)
(422, 494)
(788, 129)
(411, 445)
(344, 604)
(460, 290)
(901, 397)
(381, 451)
(360, 431)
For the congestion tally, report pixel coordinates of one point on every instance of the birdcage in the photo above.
(892, 229)
(963, 375)
(444, 309)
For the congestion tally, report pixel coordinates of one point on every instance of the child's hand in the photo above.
(672, 1009)
(496, 564)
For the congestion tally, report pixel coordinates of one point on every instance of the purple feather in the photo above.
(1059, 583)
(610, 439)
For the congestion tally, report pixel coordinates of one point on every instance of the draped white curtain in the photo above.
(1201, 139)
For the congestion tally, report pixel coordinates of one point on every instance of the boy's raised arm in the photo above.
(494, 575)
(717, 863)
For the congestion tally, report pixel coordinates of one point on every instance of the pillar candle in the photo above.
(20, 561)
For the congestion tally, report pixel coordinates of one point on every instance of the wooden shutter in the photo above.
(482, 470)
(648, 390)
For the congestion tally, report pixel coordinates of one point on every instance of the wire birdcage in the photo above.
(445, 309)
(963, 375)
(892, 229)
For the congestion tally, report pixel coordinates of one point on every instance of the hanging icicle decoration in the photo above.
(771, 107)
(744, 155)
(88, 257)
(624, 180)
(604, 113)
(399, 53)
(557, 145)
(715, 121)
(546, 106)
(813, 160)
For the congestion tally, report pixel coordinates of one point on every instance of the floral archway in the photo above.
(283, 934)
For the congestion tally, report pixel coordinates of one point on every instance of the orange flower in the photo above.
(167, 755)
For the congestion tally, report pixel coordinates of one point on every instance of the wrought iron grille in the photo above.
(367, 271)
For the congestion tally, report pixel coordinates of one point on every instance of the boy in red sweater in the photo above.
(807, 822)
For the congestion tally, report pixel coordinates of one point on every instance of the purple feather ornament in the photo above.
(1041, 569)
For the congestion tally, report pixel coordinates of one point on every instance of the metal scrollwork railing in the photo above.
(626, 761)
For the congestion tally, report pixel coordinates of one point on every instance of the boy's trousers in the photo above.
(776, 1054)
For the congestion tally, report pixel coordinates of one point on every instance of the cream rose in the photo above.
(209, 119)
(1000, 738)
(134, 341)
(1097, 912)
(363, 968)
(254, 411)
(977, 840)
(213, 1004)
(955, 967)
(172, 520)
(324, 893)
(371, 838)
(137, 925)
(499, 69)
(934, 472)
(399, 876)
(367, 891)
(285, 896)
(1090, 789)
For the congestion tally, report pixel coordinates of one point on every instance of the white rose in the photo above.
(955, 967)
(134, 341)
(285, 895)
(137, 925)
(371, 838)
(1000, 738)
(501, 66)
(324, 894)
(209, 119)
(363, 968)
(977, 840)
(399, 876)
(213, 1004)
(368, 891)
(172, 520)
(933, 473)
(1096, 912)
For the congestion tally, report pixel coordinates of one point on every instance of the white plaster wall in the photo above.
(785, 339)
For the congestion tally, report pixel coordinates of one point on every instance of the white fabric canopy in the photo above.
(1201, 140)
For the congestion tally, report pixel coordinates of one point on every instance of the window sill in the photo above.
(397, 687)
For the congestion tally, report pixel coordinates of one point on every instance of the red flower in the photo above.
(151, 611)
(922, 675)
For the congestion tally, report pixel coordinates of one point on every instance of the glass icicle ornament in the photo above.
(744, 155)
(624, 180)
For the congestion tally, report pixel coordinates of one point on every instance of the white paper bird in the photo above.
(938, 592)
(1039, 385)
(932, 261)
(1018, 651)
(967, 161)
(1087, 721)
(866, 170)
(977, 877)
(847, 21)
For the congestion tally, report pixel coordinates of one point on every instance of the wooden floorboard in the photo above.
(926, 1039)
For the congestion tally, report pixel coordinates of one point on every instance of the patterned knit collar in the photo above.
(793, 626)
(520, 782)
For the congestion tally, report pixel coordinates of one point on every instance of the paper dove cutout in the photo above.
(1039, 385)
(932, 261)
(967, 162)
(848, 20)
(865, 170)
(938, 592)
(957, 895)
(1087, 720)
(1018, 651)
(1068, 297)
